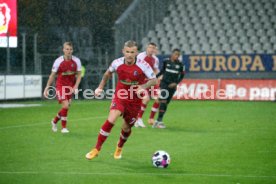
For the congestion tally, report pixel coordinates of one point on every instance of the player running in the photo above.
(173, 73)
(126, 101)
(68, 71)
(153, 61)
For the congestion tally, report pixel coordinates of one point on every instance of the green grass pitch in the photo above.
(212, 142)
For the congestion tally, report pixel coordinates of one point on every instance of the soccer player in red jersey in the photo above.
(126, 101)
(153, 61)
(68, 71)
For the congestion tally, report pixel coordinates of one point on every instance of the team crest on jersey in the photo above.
(113, 104)
(177, 66)
(72, 65)
(135, 73)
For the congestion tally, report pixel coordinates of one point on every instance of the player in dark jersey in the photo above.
(68, 71)
(173, 73)
(127, 98)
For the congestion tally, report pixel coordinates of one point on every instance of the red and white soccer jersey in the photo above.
(66, 76)
(153, 61)
(125, 98)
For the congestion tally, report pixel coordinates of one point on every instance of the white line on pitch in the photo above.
(150, 174)
(42, 123)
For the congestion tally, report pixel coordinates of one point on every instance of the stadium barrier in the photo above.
(230, 63)
(226, 89)
(20, 86)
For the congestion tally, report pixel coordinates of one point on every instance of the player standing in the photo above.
(68, 71)
(173, 73)
(126, 102)
(153, 61)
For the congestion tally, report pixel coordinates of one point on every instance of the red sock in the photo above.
(104, 133)
(123, 138)
(154, 109)
(63, 115)
(57, 118)
(142, 110)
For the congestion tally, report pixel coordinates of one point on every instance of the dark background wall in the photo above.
(98, 15)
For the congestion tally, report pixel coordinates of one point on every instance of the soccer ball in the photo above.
(161, 159)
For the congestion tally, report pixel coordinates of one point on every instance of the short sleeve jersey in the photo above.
(66, 71)
(153, 61)
(130, 76)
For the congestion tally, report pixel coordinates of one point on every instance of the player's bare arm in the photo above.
(107, 75)
(75, 88)
(156, 71)
(149, 83)
(49, 83)
(172, 85)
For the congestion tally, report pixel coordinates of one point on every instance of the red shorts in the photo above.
(63, 93)
(129, 110)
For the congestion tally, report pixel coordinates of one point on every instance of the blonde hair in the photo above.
(130, 43)
(68, 43)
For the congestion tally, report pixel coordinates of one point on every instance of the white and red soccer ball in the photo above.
(161, 159)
